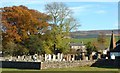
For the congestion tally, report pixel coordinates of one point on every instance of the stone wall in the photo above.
(65, 64)
(45, 65)
(21, 65)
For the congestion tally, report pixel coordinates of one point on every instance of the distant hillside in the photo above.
(92, 33)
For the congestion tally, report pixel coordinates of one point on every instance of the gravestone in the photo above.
(99, 56)
(69, 57)
(54, 57)
(73, 57)
(46, 57)
(61, 57)
(83, 56)
(58, 57)
(49, 57)
(39, 58)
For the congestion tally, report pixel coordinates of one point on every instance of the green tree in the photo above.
(90, 48)
(62, 23)
(34, 44)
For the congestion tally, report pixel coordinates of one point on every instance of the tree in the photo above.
(101, 41)
(34, 44)
(19, 24)
(62, 23)
(90, 48)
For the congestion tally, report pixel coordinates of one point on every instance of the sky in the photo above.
(91, 15)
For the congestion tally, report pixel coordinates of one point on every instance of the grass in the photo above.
(65, 69)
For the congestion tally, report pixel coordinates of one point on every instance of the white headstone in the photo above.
(58, 56)
(49, 57)
(46, 57)
(86, 58)
(106, 57)
(113, 56)
(61, 57)
(54, 57)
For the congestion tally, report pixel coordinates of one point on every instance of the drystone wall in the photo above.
(66, 64)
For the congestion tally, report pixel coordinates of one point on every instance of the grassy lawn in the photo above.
(65, 69)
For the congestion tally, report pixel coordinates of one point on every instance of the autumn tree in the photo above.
(101, 41)
(19, 23)
(62, 23)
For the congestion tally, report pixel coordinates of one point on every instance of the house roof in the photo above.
(117, 48)
(76, 44)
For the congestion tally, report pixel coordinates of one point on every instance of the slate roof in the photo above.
(76, 44)
(117, 48)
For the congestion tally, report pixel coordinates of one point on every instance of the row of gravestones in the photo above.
(47, 57)
(31, 58)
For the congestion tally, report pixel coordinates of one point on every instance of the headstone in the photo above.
(35, 58)
(29, 58)
(54, 57)
(106, 57)
(73, 57)
(58, 56)
(61, 57)
(69, 57)
(86, 58)
(10, 58)
(46, 57)
(49, 57)
(83, 56)
(113, 56)
(39, 58)
(99, 56)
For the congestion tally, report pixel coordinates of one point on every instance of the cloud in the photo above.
(101, 12)
(81, 9)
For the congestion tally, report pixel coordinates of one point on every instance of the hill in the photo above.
(92, 33)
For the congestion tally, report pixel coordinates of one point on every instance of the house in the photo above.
(115, 53)
(114, 48)
(78, 46)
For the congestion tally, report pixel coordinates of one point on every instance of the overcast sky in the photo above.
(90, 14)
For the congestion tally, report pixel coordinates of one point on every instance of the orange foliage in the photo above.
(19, 22)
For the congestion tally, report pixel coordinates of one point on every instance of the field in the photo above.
(85, 40)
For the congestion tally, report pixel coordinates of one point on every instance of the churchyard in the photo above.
(33, 41)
